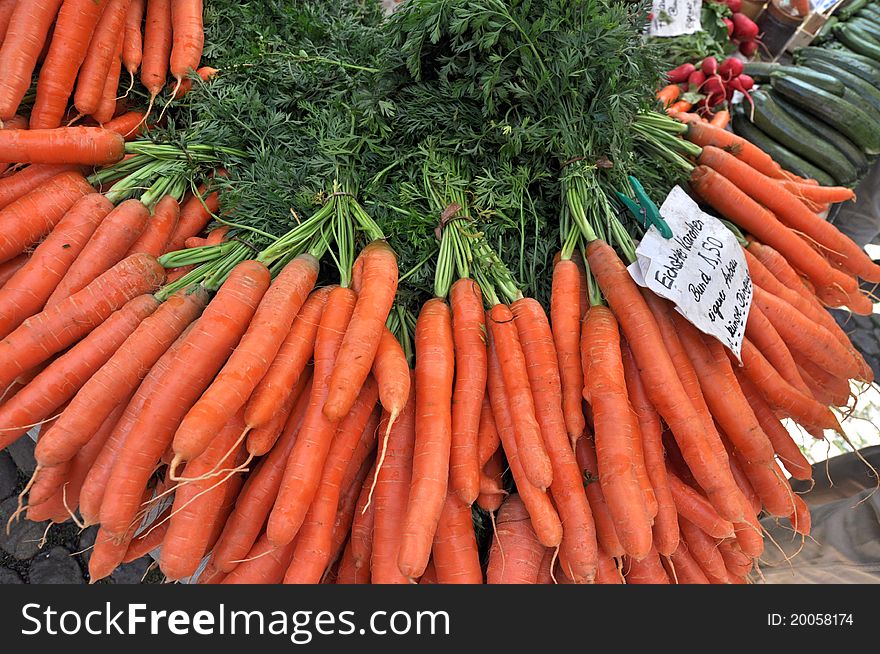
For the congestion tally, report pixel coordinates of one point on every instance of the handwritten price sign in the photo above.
(701, 269)
(674, 17)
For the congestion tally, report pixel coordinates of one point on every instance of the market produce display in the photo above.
(355, 308)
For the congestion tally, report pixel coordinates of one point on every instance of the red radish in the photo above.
(744, 28)
(680, 74)
(748, 48)
(742, 83)
(731, 68)
(696, 80)
(713, 86)
(709, 66)
(735, 5)
(729, 24)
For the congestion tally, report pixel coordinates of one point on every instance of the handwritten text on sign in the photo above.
(701, 269)
(674, 17)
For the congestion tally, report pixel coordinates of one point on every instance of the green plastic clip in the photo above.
(643, 209)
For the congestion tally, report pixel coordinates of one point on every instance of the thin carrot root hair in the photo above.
(150, 568)
(170, 99)
(32, 425)
(45, 538)
(619, 562)
(129, 89)
(553, 564)
(254, 558)
(216, 470)
(391, 418)
(67, 508)
(769, 536)
(74, 119)
(21, 507)
(672, 569)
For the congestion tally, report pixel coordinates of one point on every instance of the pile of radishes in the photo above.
(741, 29)
(712, 84)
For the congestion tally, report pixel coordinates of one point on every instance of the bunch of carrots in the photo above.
(79, 48)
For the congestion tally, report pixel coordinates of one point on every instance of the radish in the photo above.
(696, 80)
(744, 28)
(748, 48)
(709, 66)
(713, 86)
(729, 24)
(730, 68)
(680, 74)
(735, 5)
(742, 83)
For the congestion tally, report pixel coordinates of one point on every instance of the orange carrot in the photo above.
(26, 32)
(736, 561)
(392, 373)
(158, 228)
(694, 507)
(678, 107)
(605, 530)
(516, 554)
(720, 119)
(27, 291)
(815, 193)
(249, 361)
(705, 134)
(35, 214)
(565, 316)
(132, 48)
(205, 73)
(683, 569)
(647, 570)
(74, 26)
(306, 461)
(361, 539)
(455, 555)
(492, 491)
(264, 564)
(9, 268)
(764, 336)
(107, 105)
(194, 216)
(157, 46)
(188, 37)
(704, 550)
(129, 125)
(96, 66)
(108, 245)
(16, 185)
(351, 487)
(668, 94)
(488, 439)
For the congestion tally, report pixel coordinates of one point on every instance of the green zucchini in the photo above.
(840, 113)
(869, 27)
(857, 40)
(843, 59)
(771, 119)
(824, 32)
(825, 82)
(826, 133)
(781, 155)
(871, 11)
(869, 93)
(760, 70)
(851, 8)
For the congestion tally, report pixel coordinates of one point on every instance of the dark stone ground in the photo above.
(64, 556)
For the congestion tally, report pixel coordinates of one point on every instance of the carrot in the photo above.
(108, 245)
(314, 539)
(197, 503)
(433, 417)
(188, 37)
(203, 352)
(492, 491)
(17, 185)
(60, 381)
(364, 332)
(679, 106)
(815, 193)
(668, 94)
(351, 487)
(6, 9)
(264, 564)
(838, 248)
(733, 203)
(565, 317)
(95, 484)
(9, 268)
(579, 553)
(349, 573)
(74, 26)
(26, 32)
(647, 570)
(455, 555)
(35, 214)
(255, 501)
(605, 530)
(468, 329)
(27, 291)
(97, 64)
(531, 449)
(694, 507)
(263, 438)
(120, 375)
(157, 46)
(46, 483)
(16, 122)
(703, 548)
(361, 539)
(542, 513)
(769, 484)
(129, 125)
(516, 554)
(720, 119)
(665, 526)
(306, 461)
(158, 228)
(194, 216)
(132, 45)
(833, 390)
(616, 429)
(705, 134)
(683, 569)
(661, 379)
(107, 105)
(488, 439)
(779, 267)
(786, 449)
(393, 481)
(736, 561)
(764, 336)
(249, 361)
(205, 73)
(782, 395)
(107, 553)
(54, 329)
(392, 373)
(148, 540)
(608, 573)
(800, 518)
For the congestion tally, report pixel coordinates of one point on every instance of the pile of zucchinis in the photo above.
(820, 117)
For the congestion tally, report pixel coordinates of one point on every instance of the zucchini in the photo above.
(825, 82)
(824, 131)
(857, 40)
(843, 59)
(871, 11)
(824, 32)
(851, 8)
(869, 27)
(781, 155)
(760, 70)
(840, 113)
(869, 93)
(771, 119)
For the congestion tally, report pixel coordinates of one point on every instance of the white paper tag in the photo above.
(701, 269)
(674, 17)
